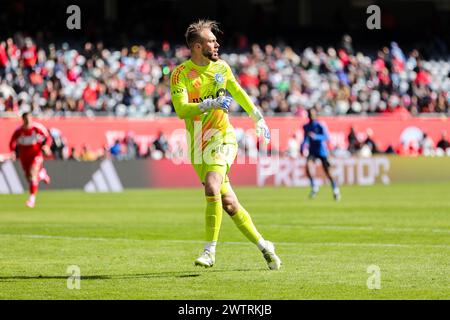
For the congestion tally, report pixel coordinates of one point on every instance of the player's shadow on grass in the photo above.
(105, 277)
(167, 274)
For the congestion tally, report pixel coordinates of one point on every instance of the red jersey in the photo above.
(29, 56)
(90, 94)
(3, 56)
(422, 78)
(30, 140)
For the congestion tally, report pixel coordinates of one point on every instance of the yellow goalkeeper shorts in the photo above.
(218, 159)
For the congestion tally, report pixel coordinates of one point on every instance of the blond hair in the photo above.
(193, 31)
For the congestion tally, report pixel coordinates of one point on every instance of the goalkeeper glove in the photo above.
(222, 102)
(262, 130)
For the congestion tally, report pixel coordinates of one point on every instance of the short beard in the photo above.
(210, 56)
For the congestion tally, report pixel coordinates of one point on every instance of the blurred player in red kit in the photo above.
(33, 141)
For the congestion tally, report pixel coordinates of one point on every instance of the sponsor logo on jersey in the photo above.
(178, 91)
(219, 93)
(30, 140)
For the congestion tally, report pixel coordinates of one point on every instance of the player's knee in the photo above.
(212, 185)
(211, 190)
(231, 206)
(29, 177)
(308, 170)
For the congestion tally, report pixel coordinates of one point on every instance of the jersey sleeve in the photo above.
(13, 140)
(44, 132)
(305, 139)
(324, 135)
(180, 97)
(241, 96)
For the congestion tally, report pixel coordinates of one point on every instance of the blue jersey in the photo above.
(317, 144)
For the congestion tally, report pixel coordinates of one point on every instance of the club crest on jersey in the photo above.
(219, 78)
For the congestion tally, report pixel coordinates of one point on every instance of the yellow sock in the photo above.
(213, 217)
(244, 223)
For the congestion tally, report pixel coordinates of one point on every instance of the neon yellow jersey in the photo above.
(190, 85)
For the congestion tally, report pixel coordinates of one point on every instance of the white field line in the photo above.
(353, 228)
(293, 243)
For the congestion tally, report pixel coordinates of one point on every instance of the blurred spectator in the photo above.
(73, 155)
(131, 147)
(178, 151)
(293, 147)
(4, 60)
(6, 90)
(390, 150)
(410, 148)
(87, 154)
(370, 143)
(426, 145)
(443, 144)
(347, 44)
(365, 151)
(29, 56)
(353, 142)
(58, 146)
(161, 144)
(116, 150)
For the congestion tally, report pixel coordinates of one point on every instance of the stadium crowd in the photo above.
(423, 146)
(95, 80)
(128, 149)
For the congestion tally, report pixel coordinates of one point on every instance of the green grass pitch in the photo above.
(141, 244)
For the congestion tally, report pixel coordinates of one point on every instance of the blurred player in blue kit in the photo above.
(316, 137)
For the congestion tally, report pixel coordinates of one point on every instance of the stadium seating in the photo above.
(133, 82)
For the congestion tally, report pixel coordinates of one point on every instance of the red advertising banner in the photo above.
(167, 174)
(97, 133)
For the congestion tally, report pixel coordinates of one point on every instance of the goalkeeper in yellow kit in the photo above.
(198, 89)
